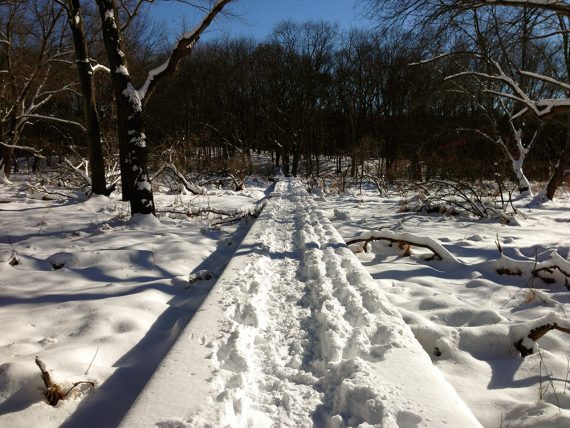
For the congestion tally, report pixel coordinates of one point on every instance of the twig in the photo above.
(94, 356)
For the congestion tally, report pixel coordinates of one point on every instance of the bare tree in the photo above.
(130, 101)
(420, 15)
(86, 71)
(32, 46)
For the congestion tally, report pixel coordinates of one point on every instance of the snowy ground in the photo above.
(294, 333)
(465, 314)
(112, 308)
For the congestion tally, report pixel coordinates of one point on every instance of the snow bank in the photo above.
(296, 333)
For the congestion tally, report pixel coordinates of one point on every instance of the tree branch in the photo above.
(182, 48)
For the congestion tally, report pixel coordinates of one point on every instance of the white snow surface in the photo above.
(465, 314)
(296, 334)
(293, 332)
(97, 296)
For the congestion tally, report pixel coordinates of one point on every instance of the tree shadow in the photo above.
(108, 404)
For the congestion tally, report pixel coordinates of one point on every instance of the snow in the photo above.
(276, 322)
(466, 315)
(134, 99)
(296, 333)
(94, 289)
(122, 70)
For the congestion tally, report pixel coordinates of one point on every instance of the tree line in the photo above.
(449, 89)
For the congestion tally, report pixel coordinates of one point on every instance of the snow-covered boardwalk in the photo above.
(296, 333)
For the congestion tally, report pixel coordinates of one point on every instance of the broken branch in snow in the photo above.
(77, 170)
(54, 392)
(507, 266)
(234, 214)
(201, 275)
(192, 188)
(252, 212)
(48, 194)
(12, 258)
(406, 239)
(526, 345)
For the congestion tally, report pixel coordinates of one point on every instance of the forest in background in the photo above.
(307, 92)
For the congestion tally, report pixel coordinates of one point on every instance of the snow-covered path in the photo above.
(296, 333)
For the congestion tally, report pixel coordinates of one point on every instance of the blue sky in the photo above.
(257, 17)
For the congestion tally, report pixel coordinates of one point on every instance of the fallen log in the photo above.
(526, 344)
(406, 239)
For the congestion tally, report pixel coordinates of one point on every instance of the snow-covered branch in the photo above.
(77, 169)
(404, 238)
(443, 55)
(545, 79)
(556, 6)
(32, 150)
(507, 266)
(53, 119)
(100, 67)
(182, 48)
(192, 188)
(525, 335)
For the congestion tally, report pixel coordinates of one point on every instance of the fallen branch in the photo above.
(48, 193)
(54, 392)
(507, 266)
(526, 345)
(252, 212)
(192, 188)
(235, 214)
(77, 170)
(406, 239)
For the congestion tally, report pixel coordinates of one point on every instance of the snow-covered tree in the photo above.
(555, 25)
(130, 100)
(32, 48)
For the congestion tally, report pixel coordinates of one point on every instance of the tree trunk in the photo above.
(132, 140)
(85, 72)
(295, 166)
(5, 164)
(286, 163)
(562, 165)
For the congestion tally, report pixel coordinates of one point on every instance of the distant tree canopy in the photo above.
(309, 90)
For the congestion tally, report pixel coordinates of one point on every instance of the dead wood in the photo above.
(253, 213)
(234, 215)
(192, 188)
(507, 266)
(403, 244)
(54, 392)
(535, 334)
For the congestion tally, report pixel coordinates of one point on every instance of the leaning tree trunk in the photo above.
(132, 140)
(85, 72)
